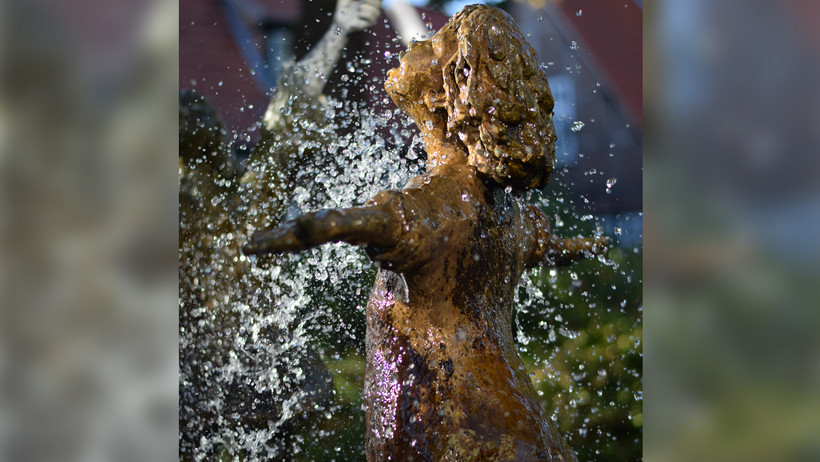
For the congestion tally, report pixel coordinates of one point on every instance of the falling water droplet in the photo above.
(579, 13)
(577, 126)
(569, 334)
(573, 45)
(610, 183)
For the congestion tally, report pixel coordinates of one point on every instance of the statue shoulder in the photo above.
(458, 183)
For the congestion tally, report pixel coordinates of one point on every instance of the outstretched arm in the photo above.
(543, 248)
(561, 252)
(394, 228)
(375, 226)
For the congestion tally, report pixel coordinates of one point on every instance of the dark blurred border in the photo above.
(732, 228)
(88, 362)
(88, 214)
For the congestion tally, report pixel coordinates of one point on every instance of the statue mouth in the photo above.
(391, 75)
(394, 93)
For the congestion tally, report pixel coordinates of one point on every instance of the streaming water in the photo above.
(271, 349)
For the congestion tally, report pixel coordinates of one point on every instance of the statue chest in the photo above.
(436, 384)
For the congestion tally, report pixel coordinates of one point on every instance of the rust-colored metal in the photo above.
(443, 378)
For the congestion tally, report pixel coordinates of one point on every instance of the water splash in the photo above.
(252, 336)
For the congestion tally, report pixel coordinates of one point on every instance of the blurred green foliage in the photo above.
(586, 362)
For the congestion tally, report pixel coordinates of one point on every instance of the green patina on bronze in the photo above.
(443, 379)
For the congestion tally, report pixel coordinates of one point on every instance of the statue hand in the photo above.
(356, 15)
(362, 225)
(565, 251)
(545, 248)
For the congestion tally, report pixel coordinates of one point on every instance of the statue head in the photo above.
(479, 78)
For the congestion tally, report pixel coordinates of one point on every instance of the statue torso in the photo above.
(443, 378)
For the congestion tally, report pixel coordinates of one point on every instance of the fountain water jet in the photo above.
(249, 380)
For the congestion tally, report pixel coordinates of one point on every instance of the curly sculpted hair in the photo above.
(498, 100)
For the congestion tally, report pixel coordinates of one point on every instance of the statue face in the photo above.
(419, 70)
(419, 74)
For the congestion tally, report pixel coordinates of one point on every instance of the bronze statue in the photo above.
(443, 379)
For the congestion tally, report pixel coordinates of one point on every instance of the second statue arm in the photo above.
(544, 248)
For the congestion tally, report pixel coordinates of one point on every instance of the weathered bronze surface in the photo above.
(443, 378)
